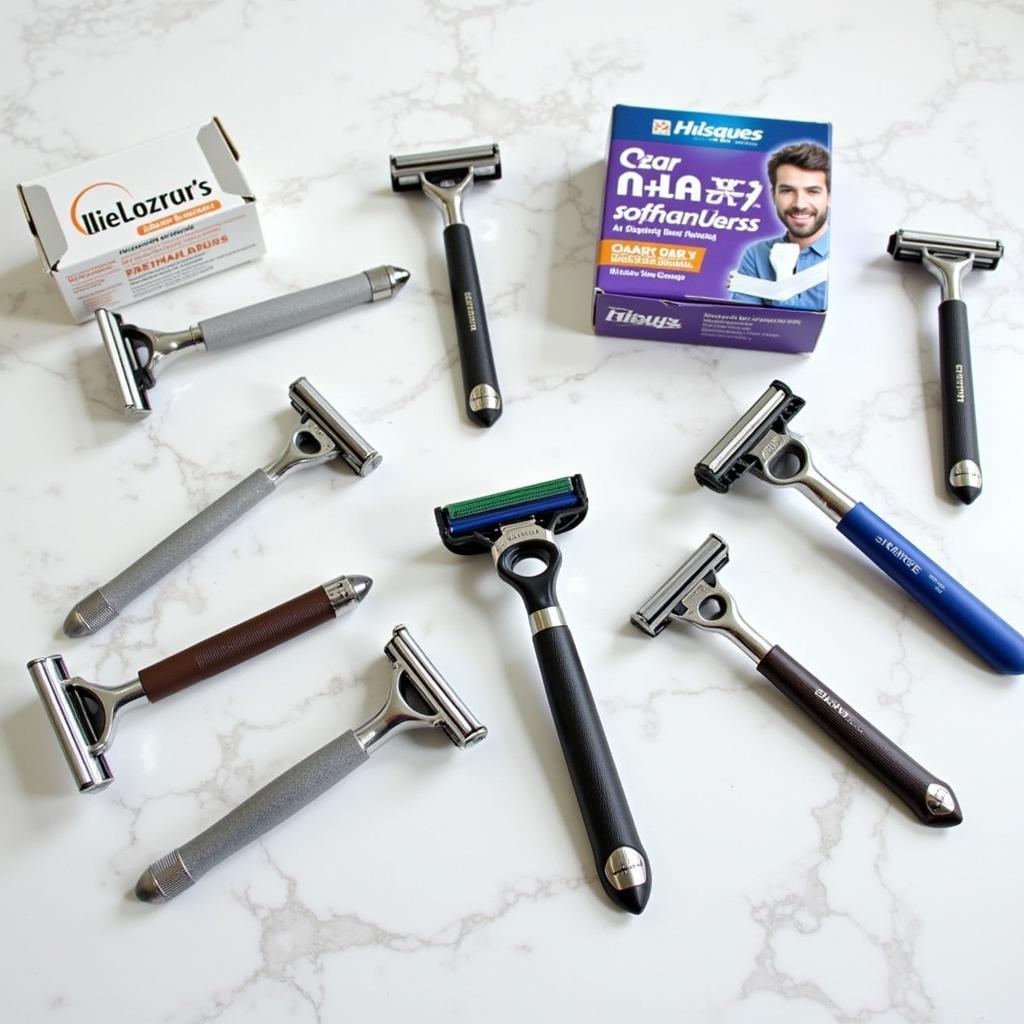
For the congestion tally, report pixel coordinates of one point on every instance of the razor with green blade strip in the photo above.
(518, 528)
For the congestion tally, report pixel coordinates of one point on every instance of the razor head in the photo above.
(670, 600)
(445, 166)
(311, 405)
(736, 452)
(70, 723)
(122, 343)
(471, 527)
(426, 691)
(912, 246)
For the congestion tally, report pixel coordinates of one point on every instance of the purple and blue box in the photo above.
(715, 230)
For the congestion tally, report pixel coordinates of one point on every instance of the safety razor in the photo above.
(694, 595)
(950, 258)
(139, 354)
(83, 715)
(420, 697)
(762, 442)
(321, 434)
(518, 528)
(446, 177)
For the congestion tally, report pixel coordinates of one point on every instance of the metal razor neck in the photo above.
(396, 716)
(448, 198)
(782, 451)
(114, 700)
(821, 492)
(168, 345)
(710, 606)
(950, 271)
(308, 446)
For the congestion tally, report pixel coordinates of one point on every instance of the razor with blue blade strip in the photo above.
(761, 441)
(518, 528)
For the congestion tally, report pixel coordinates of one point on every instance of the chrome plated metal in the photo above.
(138, 354)
(734, 442)
(782, 448)
(386, 281)
(316, 410)
(947, 257)
(100, 705)
(516, 533)
(345, 592)
(546, 618)
(949, 272)
(90, 771)
(693, 594)
(625, 868)
(448, 197)
(430, 703)
(483, 396)
(446, 175)
(965, 473)
(939, 799)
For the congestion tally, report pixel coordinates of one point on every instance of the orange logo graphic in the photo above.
(88, 188)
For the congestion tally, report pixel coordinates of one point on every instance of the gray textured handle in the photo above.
(181, 545)
(269, 806)
(285, 312)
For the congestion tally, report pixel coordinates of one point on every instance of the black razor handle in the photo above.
(622, 864)
(479, 378)
(931, 799)
(959, 429)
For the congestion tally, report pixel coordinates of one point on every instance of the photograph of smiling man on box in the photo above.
(791, 270)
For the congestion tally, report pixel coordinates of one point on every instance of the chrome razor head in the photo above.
(436, 699)
(123, 342)
(685, 589)
(361, 457)
(70, 724)
(445, 167)
(740, 448)
(914, 246)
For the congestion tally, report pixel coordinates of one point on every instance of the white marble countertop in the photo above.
(788, 886)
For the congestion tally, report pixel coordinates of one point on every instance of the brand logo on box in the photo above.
(616, 315)
(661, 127)
(111, 212)
(717, 132)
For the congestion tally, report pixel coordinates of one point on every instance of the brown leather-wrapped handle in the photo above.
(237, 644)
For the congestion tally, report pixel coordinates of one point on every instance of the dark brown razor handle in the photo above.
(237, 644)
(959, 425)
(483, 406)
(931, 799)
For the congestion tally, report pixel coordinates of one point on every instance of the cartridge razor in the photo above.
(518, 528)
(950, 258)
(446, 177)
(420, 698)
(762, 442)
(139, 354)
(83, 715)
(322, 434)
(694, 595)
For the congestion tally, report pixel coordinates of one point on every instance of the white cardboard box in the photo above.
(143, 220)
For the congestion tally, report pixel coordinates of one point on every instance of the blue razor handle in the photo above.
(993, 640)
(623, 867)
